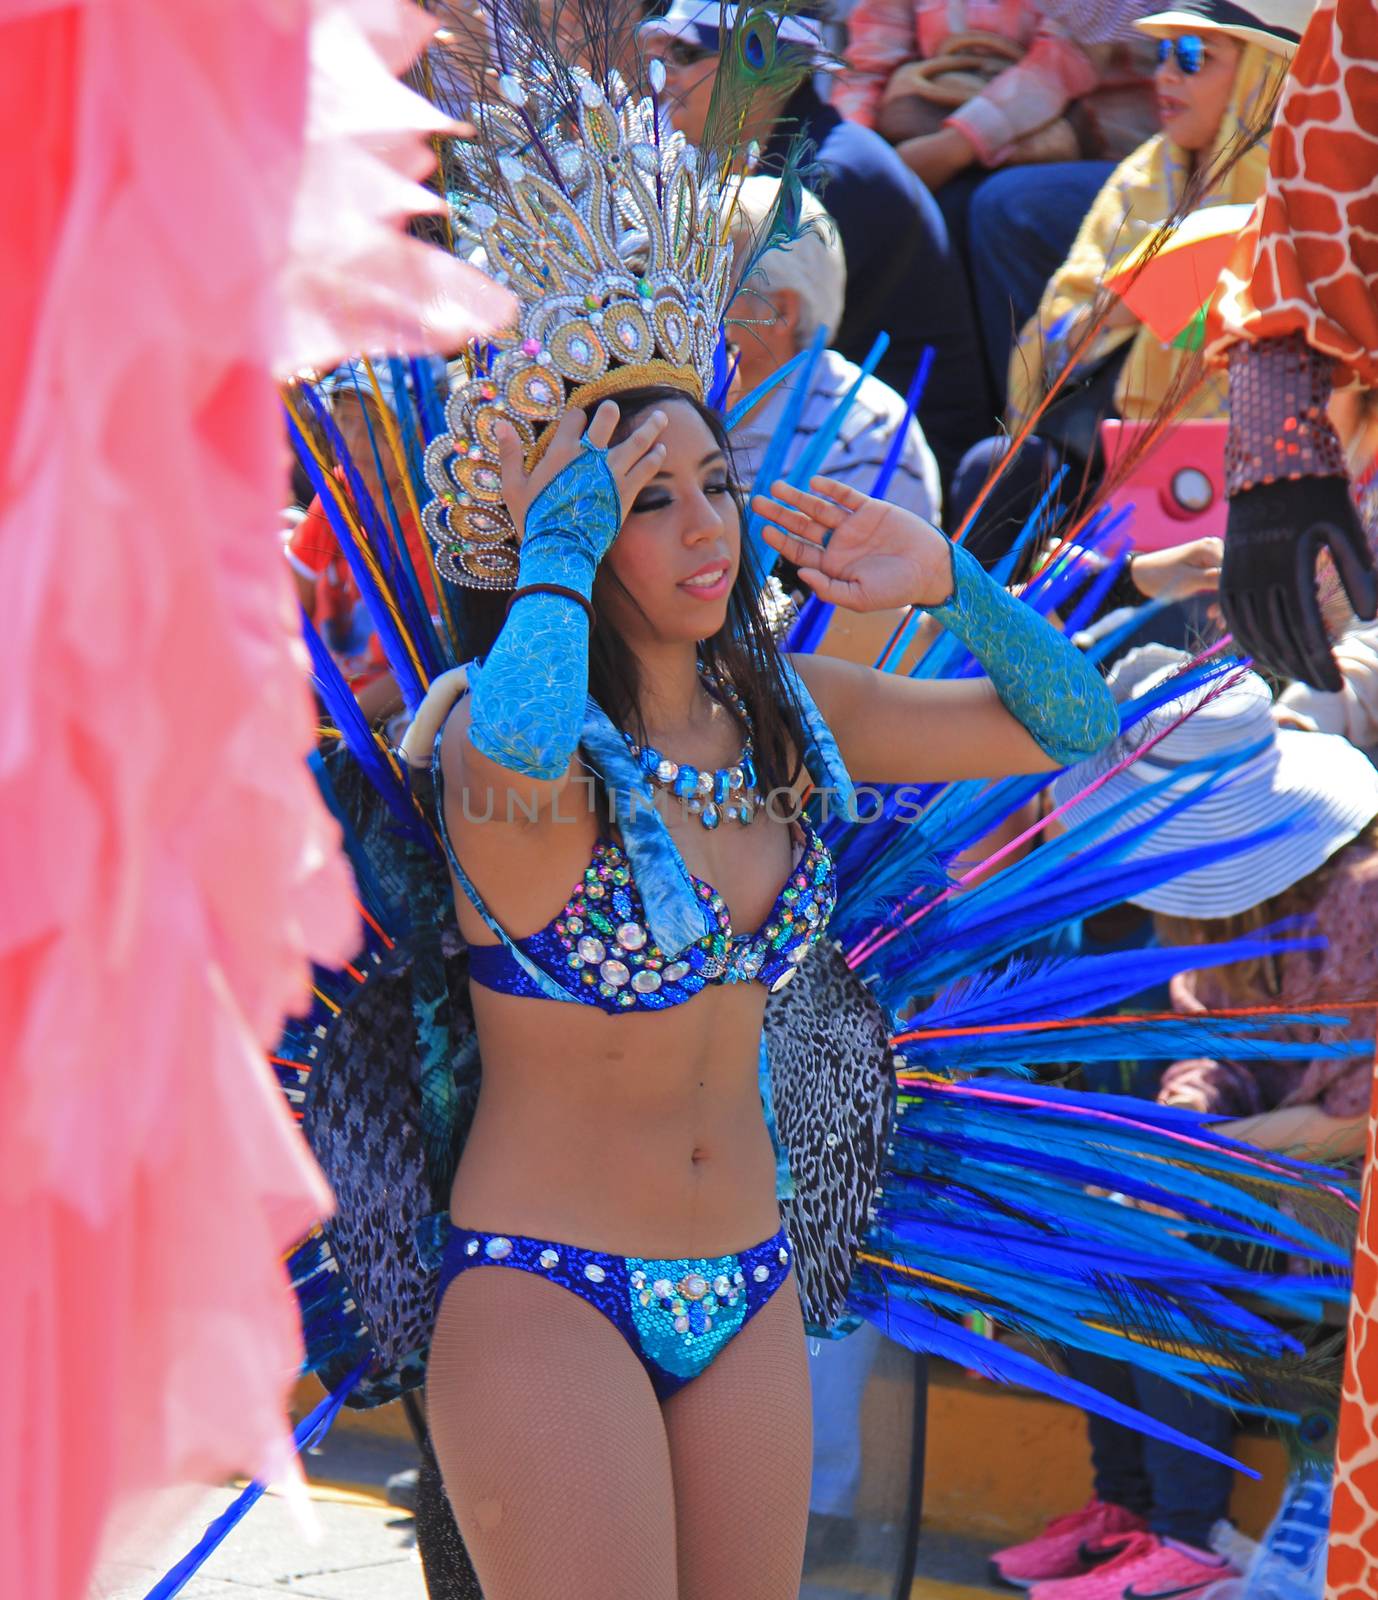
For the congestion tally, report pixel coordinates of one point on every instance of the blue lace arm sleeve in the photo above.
(528, 703)
(1042, 678)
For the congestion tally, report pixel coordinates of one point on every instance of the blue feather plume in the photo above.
(1001, 1196)
(906, 1320)
(1078, 986)
(387, 538)
(364, 745)
(399, 659)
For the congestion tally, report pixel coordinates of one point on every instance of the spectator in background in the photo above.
(1353, 709)
(1024, 219)
(795, 290)
(1217, 84)
(1320, 874)
(839, 1371)
(903, 277)
(1148, 1528)
(1218, 81)
(1008, 75)
(963, 88)
(1352, 712)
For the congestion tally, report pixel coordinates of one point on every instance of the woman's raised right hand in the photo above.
(632, 463)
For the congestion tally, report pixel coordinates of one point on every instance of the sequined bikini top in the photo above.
(599, 950)
(639, 931)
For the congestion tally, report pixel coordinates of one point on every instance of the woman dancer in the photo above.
(617, 1388)
(650, 1344)
(629, 714)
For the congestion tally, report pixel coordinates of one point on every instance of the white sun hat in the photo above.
(1276, 25)
(703, 21)
(1317, 783)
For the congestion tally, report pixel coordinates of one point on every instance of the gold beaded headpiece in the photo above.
(611, 234)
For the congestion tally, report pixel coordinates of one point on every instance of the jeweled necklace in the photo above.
(728, 792)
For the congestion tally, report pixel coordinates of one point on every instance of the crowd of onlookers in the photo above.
(986, 164)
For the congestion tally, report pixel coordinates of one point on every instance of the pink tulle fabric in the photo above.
(202, 194)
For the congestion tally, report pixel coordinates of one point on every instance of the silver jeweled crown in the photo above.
(611, 234)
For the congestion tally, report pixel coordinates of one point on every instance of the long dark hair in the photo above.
(743, 652)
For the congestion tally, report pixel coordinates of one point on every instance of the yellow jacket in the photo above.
(1138, 197)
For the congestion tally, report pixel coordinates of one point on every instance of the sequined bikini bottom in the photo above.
(676, 1315)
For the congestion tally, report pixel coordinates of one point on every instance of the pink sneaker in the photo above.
(1068, 1546)
(1146, 1568)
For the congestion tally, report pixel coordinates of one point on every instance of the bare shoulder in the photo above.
(482, 793)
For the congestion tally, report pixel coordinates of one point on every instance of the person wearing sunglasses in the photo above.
(1216, 89)
(1195, 81)
(1220, 68)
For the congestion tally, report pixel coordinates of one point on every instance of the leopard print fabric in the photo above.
(833, 1079)
(363, 1121)
(391, 1089)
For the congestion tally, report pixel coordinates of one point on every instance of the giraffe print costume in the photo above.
(1308, 262)
(1352, 1571)
(1307, 269)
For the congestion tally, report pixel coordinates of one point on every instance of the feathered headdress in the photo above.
(612, 234)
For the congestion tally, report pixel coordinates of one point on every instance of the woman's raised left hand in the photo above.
(854, 551)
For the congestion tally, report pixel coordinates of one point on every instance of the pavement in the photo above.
(364, 1549)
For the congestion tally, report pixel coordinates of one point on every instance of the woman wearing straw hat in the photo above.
(1313, 798)
(1220, 69)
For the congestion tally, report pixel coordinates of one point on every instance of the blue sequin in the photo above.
(676, 1314)
(604, 919)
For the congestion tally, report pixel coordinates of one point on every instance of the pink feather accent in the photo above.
(203, 195)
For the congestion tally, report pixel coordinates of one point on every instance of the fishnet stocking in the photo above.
(568, 1480)
(550, 1442)
(741, 1447)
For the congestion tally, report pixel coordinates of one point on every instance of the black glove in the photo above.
(1273, 533)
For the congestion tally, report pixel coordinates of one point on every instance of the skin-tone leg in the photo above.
(741, 1444)
(551, 1444)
